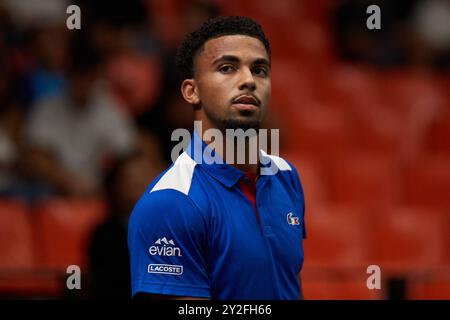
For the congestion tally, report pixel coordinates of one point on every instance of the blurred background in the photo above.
(86, 117)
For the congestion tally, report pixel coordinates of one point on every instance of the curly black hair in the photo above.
(214, 28)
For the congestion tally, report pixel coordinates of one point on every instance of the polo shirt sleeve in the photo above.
(167, 240)
(299, 189)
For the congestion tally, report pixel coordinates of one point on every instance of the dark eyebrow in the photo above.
(262, 61)
(226, 58)
(230, 58)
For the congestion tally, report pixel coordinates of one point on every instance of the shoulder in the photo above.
(169, 196)
(280, 163)
(179, 176)
(282, 169)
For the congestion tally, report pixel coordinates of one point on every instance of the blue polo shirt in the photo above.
(194, 232)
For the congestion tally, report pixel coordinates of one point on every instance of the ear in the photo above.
(189, 90)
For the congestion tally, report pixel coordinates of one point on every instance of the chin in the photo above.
(243, 124)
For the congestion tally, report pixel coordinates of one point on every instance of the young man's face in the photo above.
(232, 74)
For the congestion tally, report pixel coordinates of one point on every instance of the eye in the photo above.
(225, 69)
(261, 71)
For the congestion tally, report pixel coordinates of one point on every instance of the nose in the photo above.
(247, 82)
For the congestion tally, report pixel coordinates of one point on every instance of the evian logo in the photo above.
(292, 219)
(164, 247)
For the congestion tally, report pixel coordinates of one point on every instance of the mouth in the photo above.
(246, 102)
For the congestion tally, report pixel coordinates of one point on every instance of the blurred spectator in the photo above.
(47, 75)
(37, 13)
(383, 47)
(108, 251)
(197, 12)
(149, 146)
(6, 32)
(413, 32)
(431, 26)
(114, 28)
(135, 79)
(170, 110)
(129, 50)
(11, 121)
(65, 119)
(72, 136)
(114, 13)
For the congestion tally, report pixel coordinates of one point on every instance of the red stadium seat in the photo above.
(313, 43)
(16, 243)
(427, 182)
(375, 123)
(166, 17)
(438, 137)
(353, 85)
(417, 99)
(320, 130)
(412, 90)
(31, 284)
(62, 229)
(292, 87)
(19, 275)
(233, 7)
(338, 289)
(363, 179)
(447, 239)
(438, 289)
(337, 237)
(408, 240)
(378, 131)
(311, 176)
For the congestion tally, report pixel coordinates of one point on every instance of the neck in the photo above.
(242, 154)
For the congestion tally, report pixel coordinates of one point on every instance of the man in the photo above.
(221, 230)
(71, 135)
(108, 251)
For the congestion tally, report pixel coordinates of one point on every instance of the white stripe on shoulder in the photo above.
(179, 177)
(279, 162)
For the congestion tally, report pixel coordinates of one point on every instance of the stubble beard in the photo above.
(236, 123)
